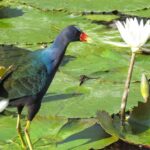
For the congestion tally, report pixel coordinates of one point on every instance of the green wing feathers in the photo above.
(25, 77)
(25, 81)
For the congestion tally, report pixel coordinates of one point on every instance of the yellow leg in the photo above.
(18, 127)
(27, 135)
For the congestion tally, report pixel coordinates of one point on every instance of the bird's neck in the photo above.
(53, 55)
(58, 48)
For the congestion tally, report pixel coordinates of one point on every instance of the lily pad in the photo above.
(137, 127)
(86, 5)
(101, 17)
(24, 29)
(29, 23)
(57, 133)
(141, 13)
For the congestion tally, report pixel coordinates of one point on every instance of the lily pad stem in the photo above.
(126, 89)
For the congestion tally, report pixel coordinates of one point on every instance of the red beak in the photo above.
(83, 37)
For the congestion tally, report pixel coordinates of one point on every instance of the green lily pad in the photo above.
(141, 13)
(7, 131)
(65, 92)
(18, 26)
(30, 23)
(101, 17)
(137, 127)
(56, 133)
(141, 114)
(86, 5)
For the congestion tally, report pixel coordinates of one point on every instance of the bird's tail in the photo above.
(3, 104)
(4, 73)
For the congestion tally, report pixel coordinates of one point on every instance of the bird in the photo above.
(25, 76)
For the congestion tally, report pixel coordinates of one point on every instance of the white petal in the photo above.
(135, 33)
(123, 32)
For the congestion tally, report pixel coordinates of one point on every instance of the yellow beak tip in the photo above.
(89, 40)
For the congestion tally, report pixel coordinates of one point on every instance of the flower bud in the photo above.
(144, 87)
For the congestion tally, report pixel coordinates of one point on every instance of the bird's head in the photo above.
(73, 33)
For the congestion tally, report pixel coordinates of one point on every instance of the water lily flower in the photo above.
(134, 32)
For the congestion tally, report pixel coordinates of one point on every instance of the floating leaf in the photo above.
(58, 134)
(140, 13)
(92, 136)
(29, 23)
(101, 17)
(136, 129)
(86, 5)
